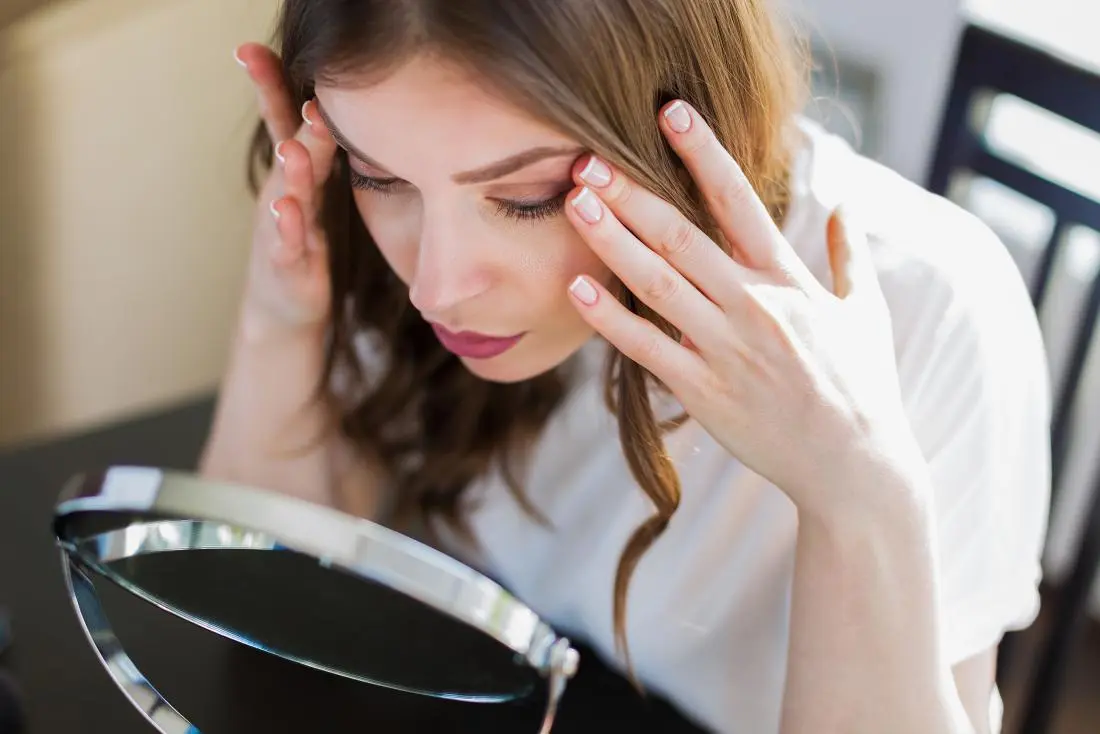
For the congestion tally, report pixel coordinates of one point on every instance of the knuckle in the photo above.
(726, 343)
(778, 340)
(647, 348)
(663, 285)
(679, 237)
(715, 388)
(618, 191)
(732, 193)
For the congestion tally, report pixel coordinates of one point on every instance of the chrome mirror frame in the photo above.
(180, 512)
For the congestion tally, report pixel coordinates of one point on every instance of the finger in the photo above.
(666, 231)
(276, 107)
(729, 195)
(849, 255)
(650, 277)
(299, 183)
(839, 261)
(289, 249)
(637, 338)
(314, 135)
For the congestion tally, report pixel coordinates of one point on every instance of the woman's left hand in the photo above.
(797, 382)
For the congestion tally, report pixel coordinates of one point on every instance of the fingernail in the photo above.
(596, 173)
(588, 206)
(279, 154)
(238, 59)
(583, 291)
(305, 113)
(274, 212)
(679, 119)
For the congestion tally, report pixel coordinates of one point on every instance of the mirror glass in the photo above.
(246, 586)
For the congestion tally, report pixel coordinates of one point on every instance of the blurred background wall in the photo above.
(899, 54)
(124, 217)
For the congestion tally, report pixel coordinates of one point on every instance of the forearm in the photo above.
(864, 635)
(269, 429)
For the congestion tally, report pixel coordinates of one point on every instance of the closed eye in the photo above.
(371, 183)
(532, 210)
(510, 208)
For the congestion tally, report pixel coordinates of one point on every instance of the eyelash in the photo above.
(514, 210)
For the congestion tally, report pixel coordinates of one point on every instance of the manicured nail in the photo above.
(238, 59)
(274, 212)
(583, 291)
(679, 119)
(596, 173)
(305, 113)
(588, 206)
(279, 154)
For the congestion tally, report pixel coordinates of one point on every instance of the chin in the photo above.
(504, 369)
(517, 364)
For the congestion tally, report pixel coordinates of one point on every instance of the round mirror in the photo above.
(294, 579)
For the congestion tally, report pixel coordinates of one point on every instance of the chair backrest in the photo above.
(991, 63)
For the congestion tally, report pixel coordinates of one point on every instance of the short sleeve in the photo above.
(975, 380)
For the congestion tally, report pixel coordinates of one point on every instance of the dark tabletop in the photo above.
(223, 687)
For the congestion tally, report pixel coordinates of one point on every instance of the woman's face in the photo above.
(463, 194)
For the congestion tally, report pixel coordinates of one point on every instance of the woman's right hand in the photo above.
(288, 290)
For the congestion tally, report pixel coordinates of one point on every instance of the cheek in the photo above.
(554, 253)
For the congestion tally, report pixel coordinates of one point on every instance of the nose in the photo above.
(449, 273)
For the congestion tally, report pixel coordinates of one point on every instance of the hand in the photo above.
(288, 287)
(797, 382)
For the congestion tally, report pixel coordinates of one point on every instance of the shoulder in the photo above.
(957, 300)
(922, 243)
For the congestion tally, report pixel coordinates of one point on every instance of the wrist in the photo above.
(865, 601)
(889, 490)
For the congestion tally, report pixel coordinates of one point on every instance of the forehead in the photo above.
(427, 106)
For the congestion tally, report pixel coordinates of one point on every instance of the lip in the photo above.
(473, 345)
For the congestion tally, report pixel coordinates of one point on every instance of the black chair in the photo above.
(989, 62)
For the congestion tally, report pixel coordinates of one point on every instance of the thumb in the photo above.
(849, 256)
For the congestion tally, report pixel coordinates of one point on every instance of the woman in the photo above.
(569, 278)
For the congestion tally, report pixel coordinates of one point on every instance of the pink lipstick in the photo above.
(474, 345)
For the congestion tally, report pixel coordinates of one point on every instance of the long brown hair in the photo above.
(597, 70)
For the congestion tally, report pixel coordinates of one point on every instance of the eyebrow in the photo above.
(485, 174)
